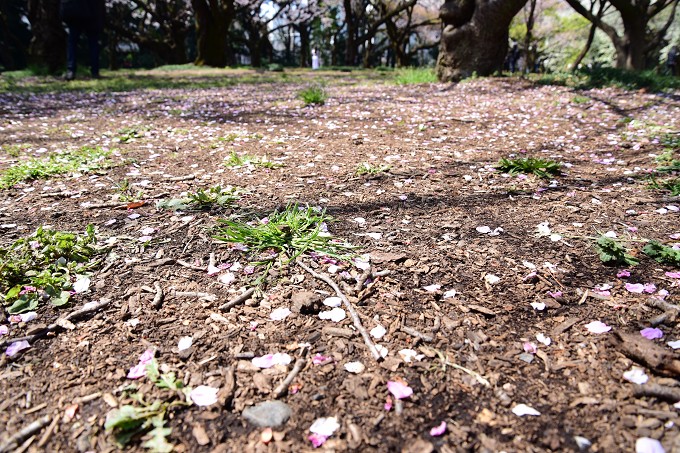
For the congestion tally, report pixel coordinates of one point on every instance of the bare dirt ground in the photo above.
(469, 301)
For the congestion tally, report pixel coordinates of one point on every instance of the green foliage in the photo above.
(662, 253)
(126, 193)
(613, 252)
(128, 134)
(85, 159)
(580, 99)
(313, 95)
(275, 67)
(413, 76)
(529, 165)
(366, 168)
(240, 160)
(203, 199)
(287, 234)
(671, 185)
(610, 77)
(14, 150)
(41, 267)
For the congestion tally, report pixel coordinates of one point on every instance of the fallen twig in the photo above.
(207, 296)
(669, 394)
(348, 306)
(282, 388)
(85, 309)
(181, 178)
(362, 279)
(191, 266)
(238, 299)
(670, 314)
(110, 204)
(25, 433)
(414, 333)
(48, 432)
(158, 298)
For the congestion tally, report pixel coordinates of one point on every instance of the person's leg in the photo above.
(93, 46)
(72, 51)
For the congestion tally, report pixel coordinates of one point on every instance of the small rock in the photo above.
(184, 354)
(268, 414)
(200, 435)
(306, 302)
(418, 446)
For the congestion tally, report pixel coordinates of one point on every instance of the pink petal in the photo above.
(438, 430)
(317, 440)
(625, 273)
(17, 346)
(137, 371)
(318, 359)
(204, 395)
(399, 389)
(635, 287)
(530, 348)
(388, 404)
(4, 330)
(673, 274)
(649, 288)
(597, 327)
(651, 333)
(147, 356)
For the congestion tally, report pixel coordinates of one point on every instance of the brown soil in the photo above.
(441, 143)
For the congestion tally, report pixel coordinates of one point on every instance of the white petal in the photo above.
(522, 409)
(332, 301)
(376, 236)
(483, 229)
(325, 426)
(355, 367)
(336, 315)
(184, 343)
(636, 375)
(382, 350)
(378, 332)
(674, 344)
(449, 294)
(543, 339)
(491, 279)
(81, 285)
(538, 306)
(204, 395)
(648, 445)
(279, 314)
(432, 288)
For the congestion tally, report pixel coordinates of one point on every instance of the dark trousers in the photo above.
(74, 32)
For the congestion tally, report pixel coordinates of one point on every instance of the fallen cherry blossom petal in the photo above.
(540, 306)
(184, 343)
(319, 358)
(674, 344)
(382, 350)
(81, 285)
(449, 294)
(280, 314)
(28, 316)
(530, 347)
(147, 356)
(227, 278)
(409, 355)
(17, 346)
(269, 360)
(432, 288)
(597, 327)
(378, 332)
(651, 333)
(137, 371)
(636, 288)
(491, 279)
(672, 274)
(332, 301)
(636, 375)
(354, 367)
(522, 409)
(399, 389)
(325, 426)
(649, 288)
(438, 430)
(543, 339)
(4, 330)
(388, 404)
(648, 445)
(204, 395)
(317, 440)
(483, 229)
(625, 273)
(336, 315)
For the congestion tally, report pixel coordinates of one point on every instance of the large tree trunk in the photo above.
(212, 24)
(475, 36)
(631, 50)
(48, 45)
(351, 45)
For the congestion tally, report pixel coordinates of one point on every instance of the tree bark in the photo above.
(48, 45)
(213, 18)
(475, 36)
(351, 46)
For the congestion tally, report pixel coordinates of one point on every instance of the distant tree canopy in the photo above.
(463, 36)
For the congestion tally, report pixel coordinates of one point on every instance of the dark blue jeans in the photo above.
(92, 33)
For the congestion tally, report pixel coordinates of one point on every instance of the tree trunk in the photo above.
(212, 24)
(48, 45)
(303, 30)
(351, 46)
(529, 52)
(475, 36)
(631, 50)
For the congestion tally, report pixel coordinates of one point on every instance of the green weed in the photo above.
(14, 150)
(613, 252)
(414, 76)
(42, 267)
(366, 168)
(529, 165)
(84, 160)
(669, 185)
(313, 95)
(246, 160)
(284, 235)
(662, 253)
(580, 99)
(203, 199)
(128, 134)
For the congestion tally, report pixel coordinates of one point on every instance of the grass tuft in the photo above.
(313, 95)
(246, 160)
(414, 76)
(529, 165)
(203, 199)
(366, 168)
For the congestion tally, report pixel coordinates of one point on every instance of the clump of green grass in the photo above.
(662, 253)
(130, 421)
(578, 99)
(614, 252)
(203, 199)
(313, 95)
(542, 168)
(413, 76)
(42, 266)
(284, 236)
(365, 168)
(128, 134)
(126, 193)
(246, 160)
(14, 150)
(671, 185)
(84, 160)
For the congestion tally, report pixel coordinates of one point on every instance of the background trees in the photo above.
(552, 35)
